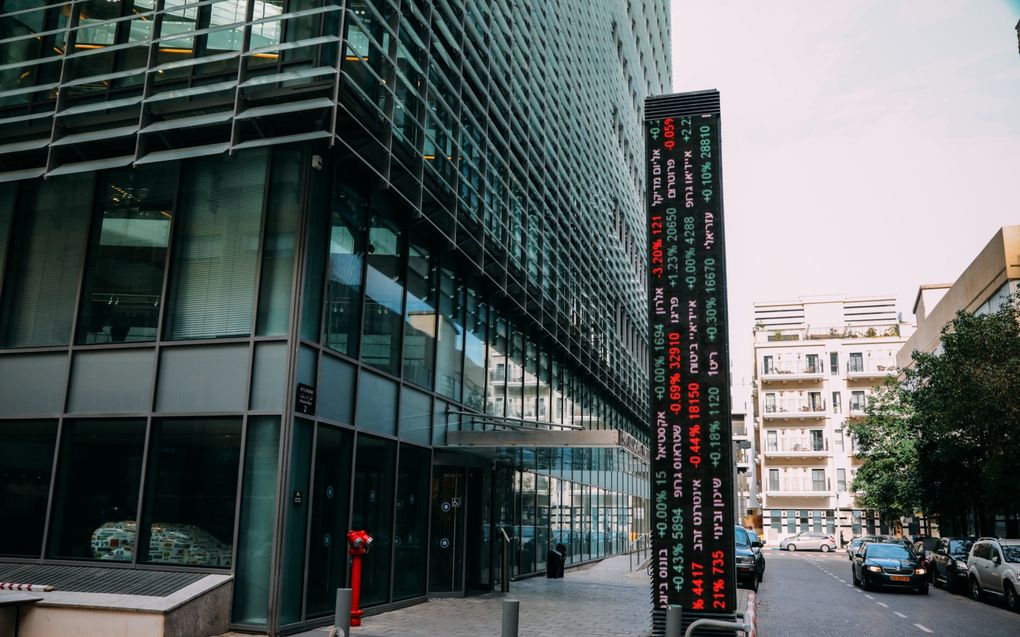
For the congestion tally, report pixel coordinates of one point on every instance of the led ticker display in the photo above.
(691, 452)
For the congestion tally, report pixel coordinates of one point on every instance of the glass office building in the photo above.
(266, 264)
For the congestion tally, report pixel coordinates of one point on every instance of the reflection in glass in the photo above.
(411, 526)
(373, 512)
(282, 215)
(343, 286)
(420, 316)
(495, 399)
(474, 351)
(97, 490)
(123, 288)
(191, 491)
(515, 375)
(384, 298)
(26, 462)
(451, 335)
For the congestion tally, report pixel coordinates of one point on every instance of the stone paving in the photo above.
(603, 600)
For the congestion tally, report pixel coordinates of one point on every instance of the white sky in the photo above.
(869, 146)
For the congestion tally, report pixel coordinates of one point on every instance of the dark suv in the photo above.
(750, 561)
(949, 562)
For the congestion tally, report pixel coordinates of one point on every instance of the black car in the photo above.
(750, 561)
(878, 565)
(949, 562)
(924, 549)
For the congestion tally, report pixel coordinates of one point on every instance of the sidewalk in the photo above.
(604, 600)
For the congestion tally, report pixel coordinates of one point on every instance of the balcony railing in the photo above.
(857, 368)
(795, 409)
(821, 332)
(799, 486)
(782, 371)
(797, 446)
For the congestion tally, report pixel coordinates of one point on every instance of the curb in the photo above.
(751, 616)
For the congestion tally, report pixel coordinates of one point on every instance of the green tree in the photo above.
(964, 406)
(887, 481)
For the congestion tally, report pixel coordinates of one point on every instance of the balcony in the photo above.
(795, 372)
(794, 410)
(799, 487)
(794, 447)
(857, 369)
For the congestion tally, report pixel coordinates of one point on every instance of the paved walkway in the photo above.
(604, 600)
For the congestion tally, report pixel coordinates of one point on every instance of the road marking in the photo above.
(841, 579)
(882, 604)
(869, 597)
(927, 630)
(899, 614)
(848, 586)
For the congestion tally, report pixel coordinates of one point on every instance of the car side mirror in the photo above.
(996, 560)
(756, 545)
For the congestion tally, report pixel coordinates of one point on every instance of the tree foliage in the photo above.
(946, 438)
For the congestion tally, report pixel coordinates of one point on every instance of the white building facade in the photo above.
(817, 362)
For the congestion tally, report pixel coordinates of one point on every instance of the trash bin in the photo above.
(562, 550)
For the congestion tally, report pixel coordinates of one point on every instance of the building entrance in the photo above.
(461, 547)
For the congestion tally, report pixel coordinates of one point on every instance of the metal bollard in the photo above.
(674, 621)
(342, 621)
(511, 613)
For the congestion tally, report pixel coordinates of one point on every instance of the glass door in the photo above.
(446, 549)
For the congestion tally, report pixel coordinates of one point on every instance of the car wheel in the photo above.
(791, 547)
(1012, 602)
(864, 582)
(825, 548)
(857, 582)
(975, 590)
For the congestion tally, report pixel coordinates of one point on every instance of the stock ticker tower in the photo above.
(271, 270)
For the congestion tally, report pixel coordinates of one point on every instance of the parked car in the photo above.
(750, 564)
(756, 545)
(993, 568)
(807, 540)
(949, 562)
(853, 546)
(886, 564)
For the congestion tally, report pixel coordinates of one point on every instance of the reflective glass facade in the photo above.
(403, 205)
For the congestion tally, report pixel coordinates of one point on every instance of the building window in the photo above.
(26, 463)
(837, 402)
(384, 298)
(839, 439)
(43, 266)
(420, 315)
(834, 363)
(817, 440)
(840, 480)
(772, 441)
(818, 479)
(773, 479)
(858, 401)
(856, 363)
(770, 403)
(344, 271)
(123, 290)
(217, 248)
(450, 356)
(815, 402)
(768, 366)
(813, 366)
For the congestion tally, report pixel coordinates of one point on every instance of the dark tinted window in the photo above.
(960, 547)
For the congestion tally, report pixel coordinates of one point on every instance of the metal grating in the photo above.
(92, 579)
(678, 104)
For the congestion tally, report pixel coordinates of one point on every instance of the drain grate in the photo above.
(91, 579)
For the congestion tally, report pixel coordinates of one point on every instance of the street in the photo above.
(812, 594)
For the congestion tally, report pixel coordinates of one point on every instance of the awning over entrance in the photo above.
(509, 438)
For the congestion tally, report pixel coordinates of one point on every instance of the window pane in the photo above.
(327, 560)
(474, 352)
(411, 530)
(282, 215)
(451, 335)
(97, 490)
(420, 317)
(26, 462)
(43, 269)
(377, 404)
(7, 192)
(373, 512)
(216, 257)
(384, 298)
(191, 491)
(124, 278)
(343, 287)
(258, 513)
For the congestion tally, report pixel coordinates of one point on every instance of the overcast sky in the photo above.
(869, 146)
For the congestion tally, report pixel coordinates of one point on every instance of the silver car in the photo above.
(808, 540)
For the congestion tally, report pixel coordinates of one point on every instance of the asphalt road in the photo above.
(812, 595)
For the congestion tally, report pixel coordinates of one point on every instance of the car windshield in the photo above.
(1011, 553)
(894, 551)
(741, 536)
(959, 547)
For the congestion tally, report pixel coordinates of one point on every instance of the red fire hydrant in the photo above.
(358, 543)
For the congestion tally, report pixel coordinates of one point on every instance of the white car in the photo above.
(993, 568)
(808, 540)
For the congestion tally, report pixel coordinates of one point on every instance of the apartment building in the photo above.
(817, 361)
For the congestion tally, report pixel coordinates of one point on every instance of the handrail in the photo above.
(716, 623)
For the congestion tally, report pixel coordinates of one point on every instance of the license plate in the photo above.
(899, 578)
